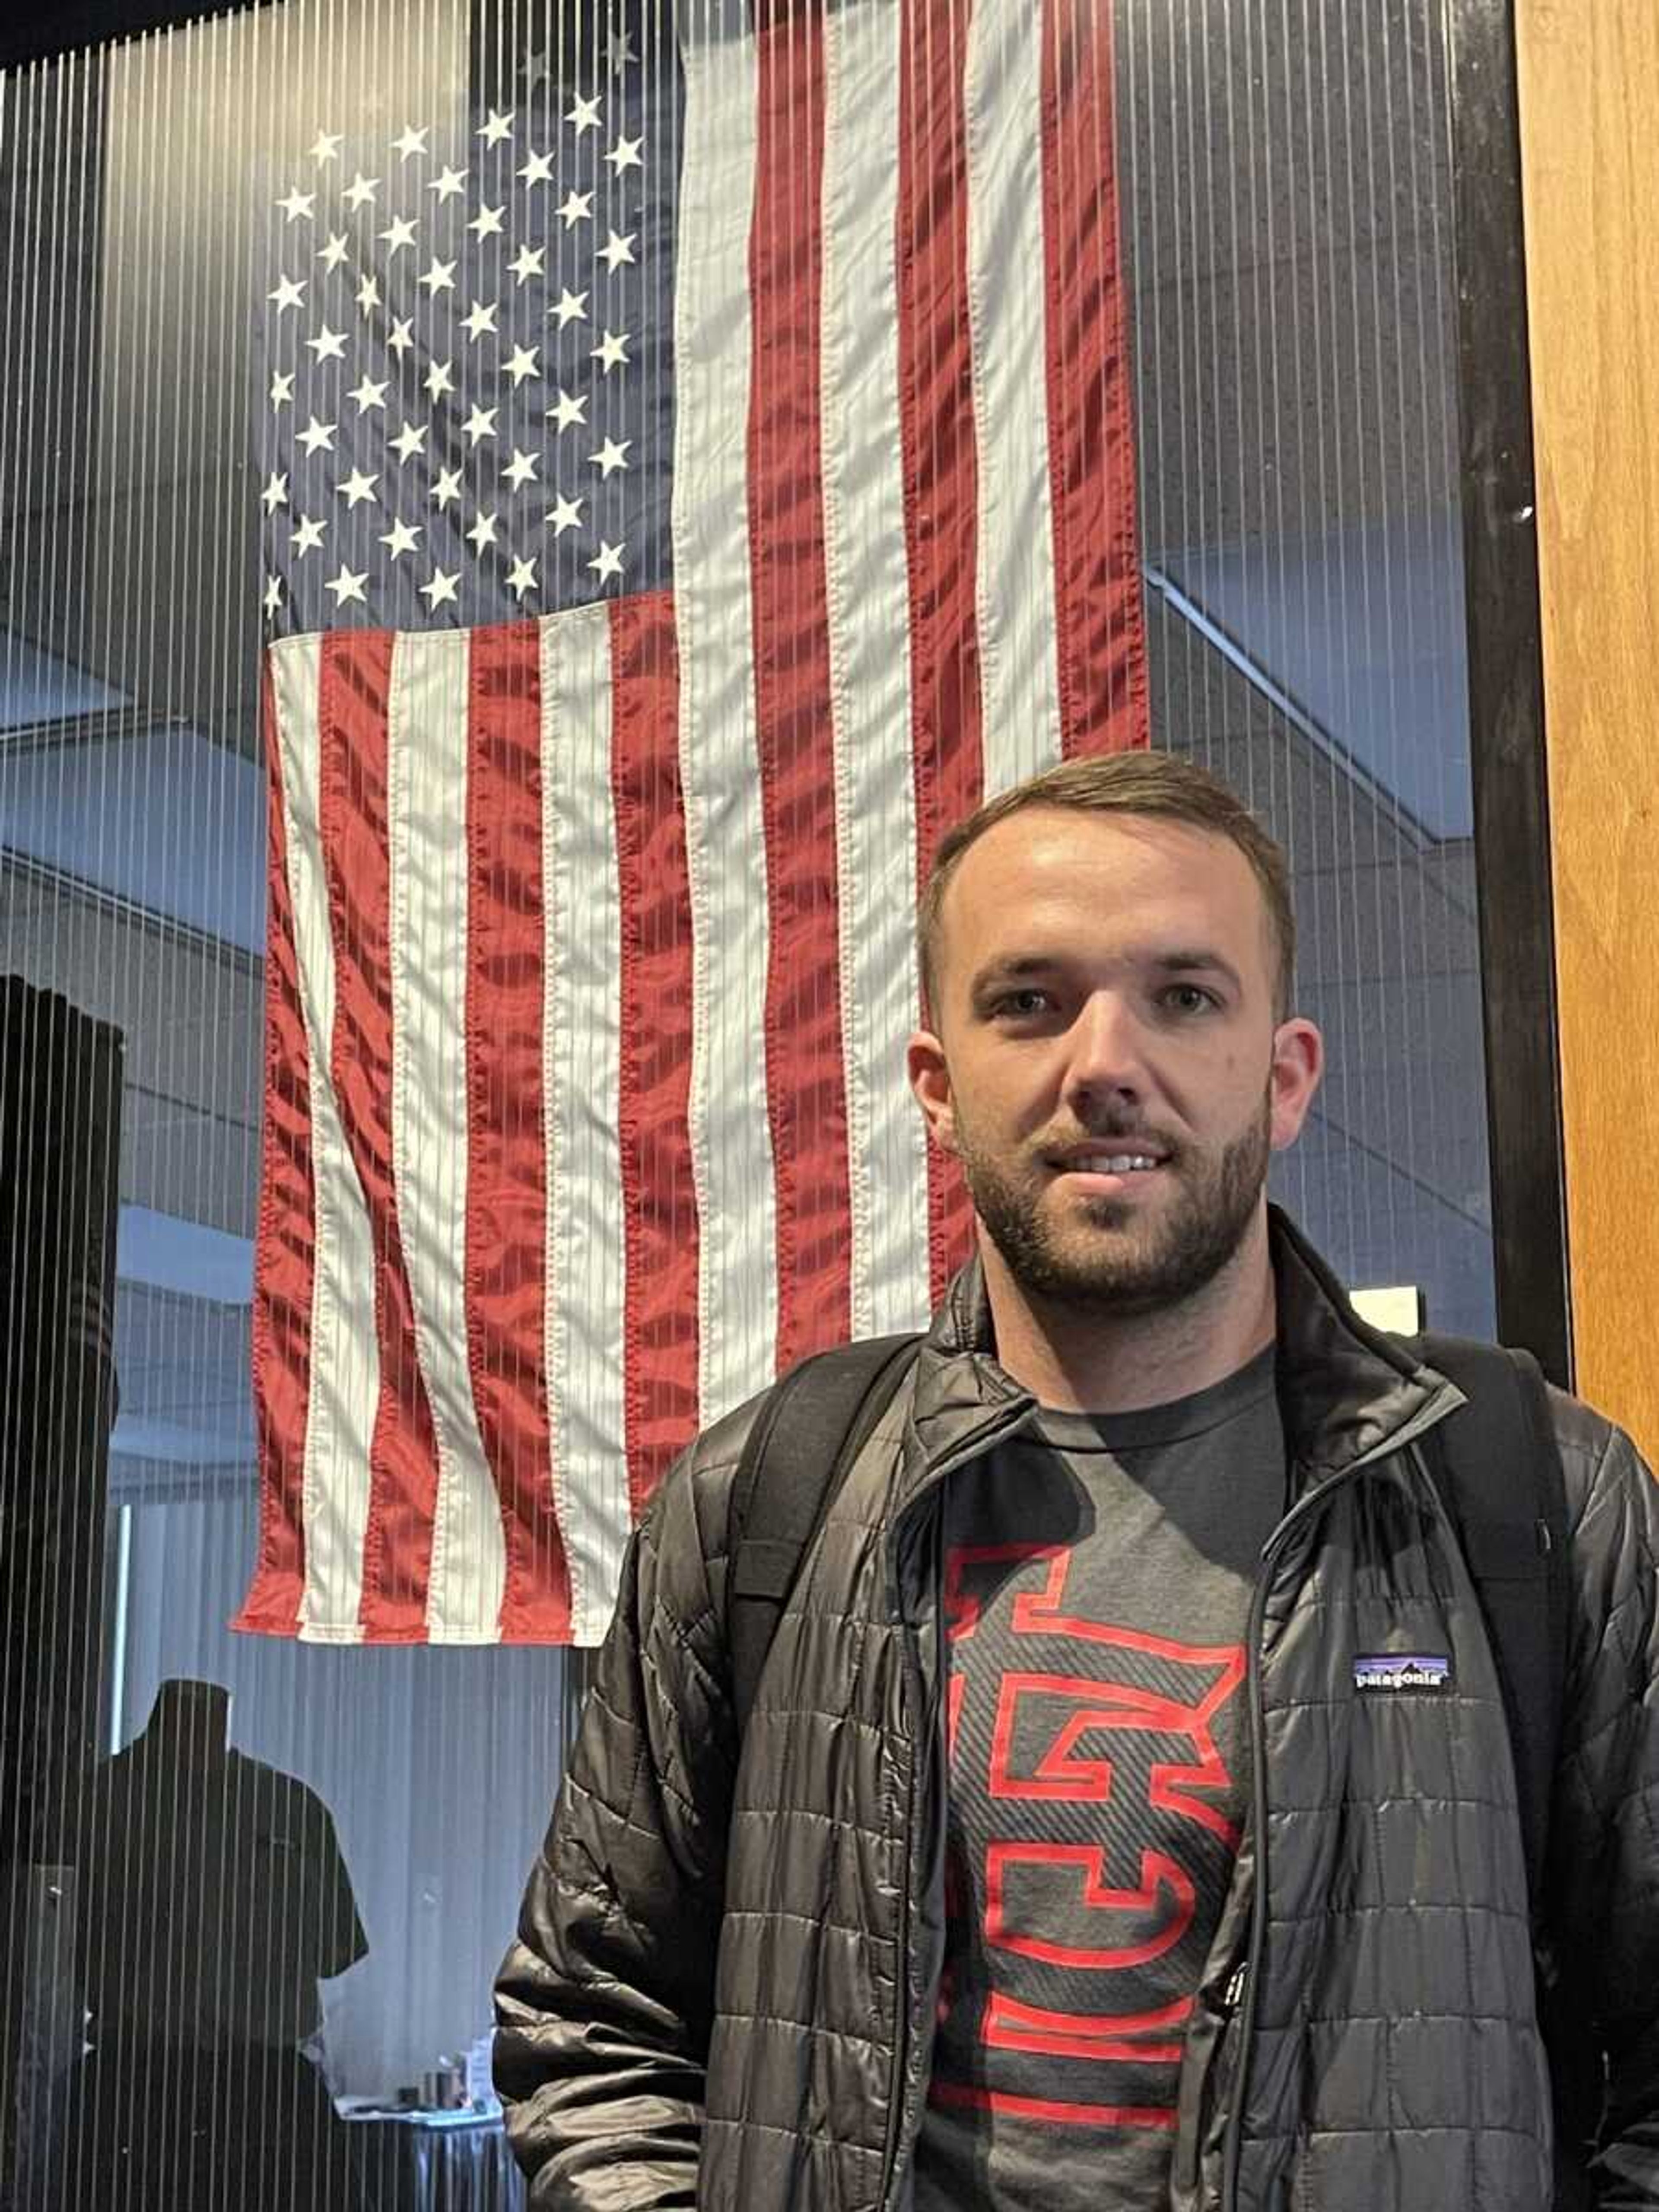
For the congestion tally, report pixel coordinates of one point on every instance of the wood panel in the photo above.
(1588, 84)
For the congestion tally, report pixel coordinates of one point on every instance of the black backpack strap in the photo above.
(1498, 1469)
(811, 1428)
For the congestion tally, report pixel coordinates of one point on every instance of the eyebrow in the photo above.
(1200, 959)
(1184, 960)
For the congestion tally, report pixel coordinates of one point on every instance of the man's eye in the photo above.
(1021, 1004)
(1191, 991)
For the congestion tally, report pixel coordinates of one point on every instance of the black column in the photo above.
(60, 1105)
(1506, 693)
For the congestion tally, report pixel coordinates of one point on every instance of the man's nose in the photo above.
(1107, 1044)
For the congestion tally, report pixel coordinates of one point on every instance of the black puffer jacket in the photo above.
(724, 1981)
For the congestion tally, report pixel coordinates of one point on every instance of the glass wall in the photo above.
(260, 1885)
(1288, 233)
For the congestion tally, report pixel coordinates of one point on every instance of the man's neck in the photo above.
(1085, 1362)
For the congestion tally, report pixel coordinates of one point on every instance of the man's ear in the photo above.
(1298, 1066)
(930, 1082)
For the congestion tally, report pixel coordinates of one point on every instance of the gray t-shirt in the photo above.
(1098, 1572)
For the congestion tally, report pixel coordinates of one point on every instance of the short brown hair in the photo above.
(1149, 783)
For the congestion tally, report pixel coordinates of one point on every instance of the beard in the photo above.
(1115, 1257)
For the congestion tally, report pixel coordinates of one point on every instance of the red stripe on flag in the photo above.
(805, 1070)
(941, 485)
(355, 691)
(284, 1243)
(659, 1203)
(1102, 647)
(505, 1268)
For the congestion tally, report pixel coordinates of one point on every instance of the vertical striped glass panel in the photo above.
(253, 1889)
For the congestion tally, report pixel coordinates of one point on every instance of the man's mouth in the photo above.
(1107, 1158)
(1098, 1168)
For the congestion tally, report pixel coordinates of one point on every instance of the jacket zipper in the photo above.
(1241, 1988)
(898, 2101)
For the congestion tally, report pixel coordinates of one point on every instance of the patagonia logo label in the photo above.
(1402, 1670)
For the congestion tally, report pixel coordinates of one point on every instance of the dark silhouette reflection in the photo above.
(212, 1898)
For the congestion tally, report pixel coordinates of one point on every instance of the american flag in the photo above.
(686, 492)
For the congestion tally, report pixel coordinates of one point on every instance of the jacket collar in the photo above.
(1344, 1388)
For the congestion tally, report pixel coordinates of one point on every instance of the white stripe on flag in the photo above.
(870, 665)
(582, 918)
(719, 770)
(344, 1382)
(426, 818)
(1018, 634)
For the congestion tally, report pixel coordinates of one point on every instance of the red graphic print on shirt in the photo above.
(1091, 1828)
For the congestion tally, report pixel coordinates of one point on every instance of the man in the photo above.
(1071, 1856)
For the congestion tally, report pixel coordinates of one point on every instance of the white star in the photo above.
(400, 341)
(361, 188)
(527, 262)
(478, 319)
(622, 51)
(520, 469)
(308, 537)
(288, 294)
(616, 251)
(440, 277)
(273, 596)
(410, 441)
(572, 308)
(494, 128)
(569, 407)
(567, 516)
(438, 381)
(368, 395)
(275, 493)
(584, 115)
(625, 154)
(412, 141)
(317, 436)
(400, 539)
(437, 588)
(520, 364)
(400, 232)
(483, 532)
(296, 204)
(611, 456)
(282, 388)
(334, 252)
(521, 578)
(327, 146)
(369, 295)
(448, 185)
(607, 562)
(539, 169)
(357, 487)
(447, 486)
(612, 351)
(327, 345)
(577, 207)
(487, 224)
(480, 424)
(346, 586)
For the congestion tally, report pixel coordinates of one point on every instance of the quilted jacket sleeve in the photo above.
(603, 2003)
(1604, 1843)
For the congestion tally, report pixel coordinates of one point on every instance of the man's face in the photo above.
(1105, 996)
